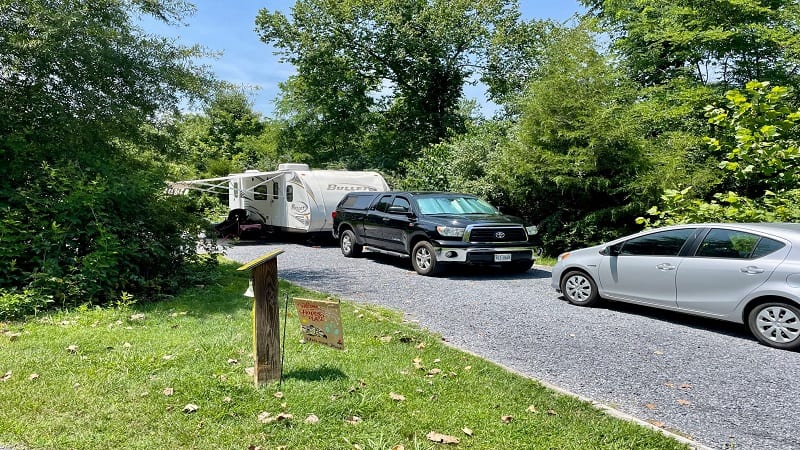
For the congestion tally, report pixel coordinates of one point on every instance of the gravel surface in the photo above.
(706, 380)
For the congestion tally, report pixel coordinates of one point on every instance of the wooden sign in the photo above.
(320, 321)
(266, 327)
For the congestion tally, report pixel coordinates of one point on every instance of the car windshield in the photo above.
(454, 205)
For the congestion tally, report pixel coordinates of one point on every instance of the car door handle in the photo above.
(665, 266)
(386, 219)
(752, 270)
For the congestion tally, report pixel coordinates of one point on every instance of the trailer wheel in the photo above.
(347, 242)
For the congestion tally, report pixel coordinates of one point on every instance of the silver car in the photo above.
(744, 273)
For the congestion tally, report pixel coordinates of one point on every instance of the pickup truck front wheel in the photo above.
(423, 258)
(347, 242)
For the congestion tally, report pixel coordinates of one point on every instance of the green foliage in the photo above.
(758, 131)
(515, 55)
(679, 206)
(576, 166)
(72, 237)
(757, 137)
(15, 303)
(84, 217)
(393, 76)
(227, 137)
(727, 42)
(463, 164)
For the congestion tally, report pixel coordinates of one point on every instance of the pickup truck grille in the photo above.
(496, 234)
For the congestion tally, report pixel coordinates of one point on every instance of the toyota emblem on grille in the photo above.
(500, 235)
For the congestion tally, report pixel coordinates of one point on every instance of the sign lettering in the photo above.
(349, 187)
(320, 322)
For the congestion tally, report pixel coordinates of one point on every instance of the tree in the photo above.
(757, 136)
(575, 166)
(229, 136)
(84, 217)
(726, 42)
(378, 80)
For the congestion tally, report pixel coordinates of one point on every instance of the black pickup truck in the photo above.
(434, 229)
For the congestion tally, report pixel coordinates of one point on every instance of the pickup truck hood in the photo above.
(462, 220)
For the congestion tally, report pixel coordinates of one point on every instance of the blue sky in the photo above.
(228, 27)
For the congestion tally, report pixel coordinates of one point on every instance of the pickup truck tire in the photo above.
(423, 259)
(347, 242)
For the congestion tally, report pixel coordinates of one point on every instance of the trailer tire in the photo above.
(347, 243)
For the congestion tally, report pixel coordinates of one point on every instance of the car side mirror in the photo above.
(612, 250)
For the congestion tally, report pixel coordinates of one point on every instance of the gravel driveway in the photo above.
(707, 380)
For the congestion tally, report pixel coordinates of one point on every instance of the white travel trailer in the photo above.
(292, 199)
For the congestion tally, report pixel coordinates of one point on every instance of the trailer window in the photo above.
(261, 192)
(235, 190)
(289, 193)
(275, 190)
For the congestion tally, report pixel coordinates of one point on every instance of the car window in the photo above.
(401, 202)
(662, 243)
(721, 243)
(356, 201)
(766, 246)
(383, 203)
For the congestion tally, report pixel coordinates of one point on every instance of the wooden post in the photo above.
(266, 323)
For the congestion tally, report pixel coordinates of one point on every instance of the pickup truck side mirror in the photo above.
(399, 210)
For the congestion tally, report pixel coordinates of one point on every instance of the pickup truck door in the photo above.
(373, 221)
(396, 223)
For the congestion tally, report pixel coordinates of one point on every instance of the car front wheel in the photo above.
(579, 289)
(776, 324)
(348, 244)
(423, 259)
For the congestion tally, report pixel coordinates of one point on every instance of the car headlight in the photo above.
(450, 231)
(563, 256)
(533, 229)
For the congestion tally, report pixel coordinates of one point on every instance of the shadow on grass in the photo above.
(324, 373)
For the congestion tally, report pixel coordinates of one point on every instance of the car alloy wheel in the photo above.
(777, 325)
(423, 259)
(348, 244)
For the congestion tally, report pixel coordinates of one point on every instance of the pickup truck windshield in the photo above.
(454, 205)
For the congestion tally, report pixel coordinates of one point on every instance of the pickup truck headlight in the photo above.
(533, 229)
(450, 231)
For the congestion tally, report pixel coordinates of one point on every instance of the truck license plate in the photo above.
(502, 257)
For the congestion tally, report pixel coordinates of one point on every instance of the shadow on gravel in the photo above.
(324, 241)
(458, 271)
(701, 323)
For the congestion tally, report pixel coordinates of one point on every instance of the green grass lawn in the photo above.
(122, 377)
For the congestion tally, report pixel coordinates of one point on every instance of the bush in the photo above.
(82, 236)
(15, 304)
